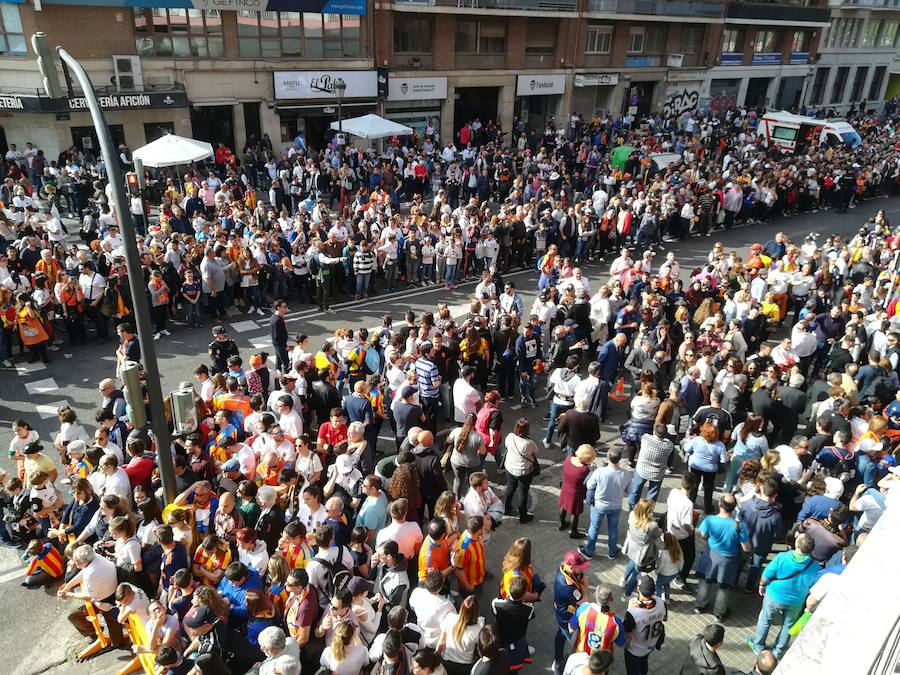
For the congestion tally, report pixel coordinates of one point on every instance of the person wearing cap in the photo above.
(570, 587)
(367, 611)
(644, 627)
(37, 462)
(210, 640)
(221, 349)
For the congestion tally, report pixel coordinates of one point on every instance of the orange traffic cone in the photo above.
(619, 393)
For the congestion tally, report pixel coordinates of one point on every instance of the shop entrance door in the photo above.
(213, 124)
(472, 102)
(756, 92)
(252, 124)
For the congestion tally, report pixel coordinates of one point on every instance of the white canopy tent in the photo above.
(371, 126)
(170, 150)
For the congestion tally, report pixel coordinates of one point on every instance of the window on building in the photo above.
(877, 81)
(412, 34)
(691, 39)
(636, 38)
(859, 80)
(540, 39)
(732, 40)
(178, 32)
(599, 39)
(655, 42)
(260, 33)
(766, 41)
(12, 37)
(480, 37)
(888, 34)
(818, 88)
(870, 33)
(800, 41)
(852, 36)
(840, 83)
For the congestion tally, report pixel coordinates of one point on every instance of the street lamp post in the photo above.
(626, 94)
(135, 274)
(340, 88)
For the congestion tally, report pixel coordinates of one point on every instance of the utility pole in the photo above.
(132, 258)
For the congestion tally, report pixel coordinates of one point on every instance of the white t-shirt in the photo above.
(355, 659)
(871, 511)
(463, 650)
(430, 612)
(408, 536)
(679, 510)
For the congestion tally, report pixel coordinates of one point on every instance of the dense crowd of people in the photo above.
(299, 540)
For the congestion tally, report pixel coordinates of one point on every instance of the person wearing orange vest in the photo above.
(435, 551)
(594, 626)
(470, 562)
(46, 564)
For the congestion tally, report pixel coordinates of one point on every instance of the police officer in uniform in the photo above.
(221, 349)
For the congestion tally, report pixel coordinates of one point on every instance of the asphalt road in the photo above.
(34, 634)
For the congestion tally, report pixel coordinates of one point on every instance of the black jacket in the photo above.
(702, 661)
(268, 528)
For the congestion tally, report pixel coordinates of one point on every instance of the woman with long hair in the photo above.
(467, 450)
(668, 564)
(641, 544)
(449, 509)
(459, 637)
(517, 563)
(342, 656)
(750, 443)
(405, 483)
(705, 454)
(575, 471)
(488, 423)
(521, 465)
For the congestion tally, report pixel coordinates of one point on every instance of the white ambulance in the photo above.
(795, 133)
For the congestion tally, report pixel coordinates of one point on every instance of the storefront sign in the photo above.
(540, 85)
(767, 59)
(357, 7)
(799, 58)
(136, 101)
(731, 59)
(303, 84)
(596, 80)
(417, 88)
(641, 61)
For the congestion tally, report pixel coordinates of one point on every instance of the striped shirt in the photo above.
(363, 262)
(428, 378)
(297, 555)
(471, 558)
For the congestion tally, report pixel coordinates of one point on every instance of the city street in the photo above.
(35, 636)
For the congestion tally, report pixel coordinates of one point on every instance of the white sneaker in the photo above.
(53, 348)
(7, 363)
(260, 311)
(547, 443)
(157, 336)
(165, 332)
(250, 311)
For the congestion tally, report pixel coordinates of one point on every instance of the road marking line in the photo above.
(27, 368)
(244, 326)
(12, 575)
(41, 386)
(48, 410)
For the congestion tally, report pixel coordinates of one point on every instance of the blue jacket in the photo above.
(818, 507)
(79, 515)
(789, 577)
(608, 358)
(763, 523)
(237, 595)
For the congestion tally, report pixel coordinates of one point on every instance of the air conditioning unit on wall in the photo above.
(127, 73)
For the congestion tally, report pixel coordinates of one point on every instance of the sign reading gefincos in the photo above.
(318, 6)
(540, 85)
(417, 88)
(296, 84)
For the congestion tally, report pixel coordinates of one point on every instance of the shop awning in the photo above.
(371, 126)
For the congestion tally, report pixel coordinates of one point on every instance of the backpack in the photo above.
(337, 577)
(881, 388)
(314, 265)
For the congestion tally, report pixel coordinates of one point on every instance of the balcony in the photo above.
(538, 6)
(770, 11)
(658, 7)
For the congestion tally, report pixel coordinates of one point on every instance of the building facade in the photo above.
(232, 70)
(859, 63)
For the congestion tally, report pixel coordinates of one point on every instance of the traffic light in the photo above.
(134, 394)
(131, 182)
(46, 61)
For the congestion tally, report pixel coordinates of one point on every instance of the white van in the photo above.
(795, 133)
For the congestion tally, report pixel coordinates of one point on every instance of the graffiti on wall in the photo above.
(678, 102)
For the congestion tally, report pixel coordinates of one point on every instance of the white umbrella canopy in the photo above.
(371, 126)
(170, 150)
